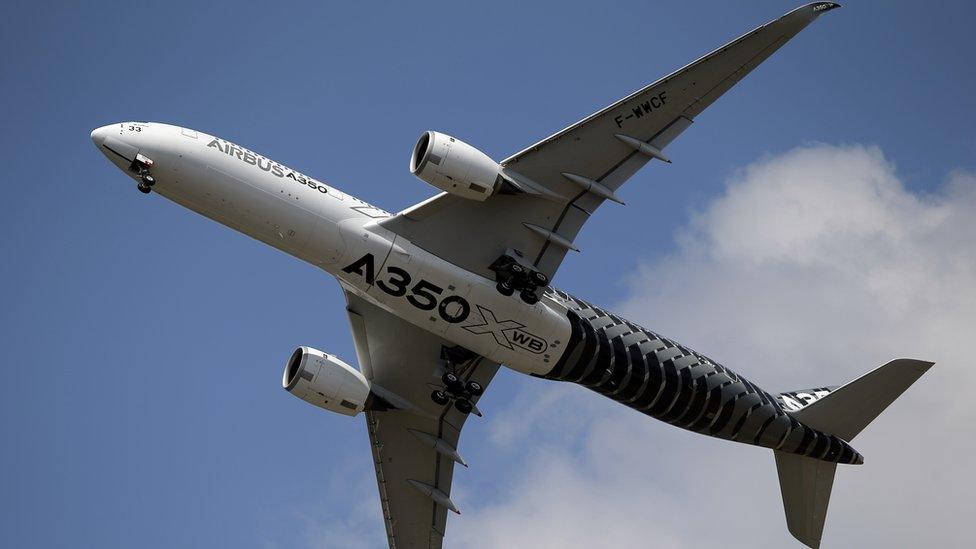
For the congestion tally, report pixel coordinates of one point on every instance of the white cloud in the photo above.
(814, 267)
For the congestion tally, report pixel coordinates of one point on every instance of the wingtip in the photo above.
(821, 7)
(810, 11)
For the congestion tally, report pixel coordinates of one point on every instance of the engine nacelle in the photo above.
(325, 381)
(454, 166)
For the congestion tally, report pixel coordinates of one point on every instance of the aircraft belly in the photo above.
(458, 305)
(263, 215)
(665, 380)
(256, 196)
(566, 339)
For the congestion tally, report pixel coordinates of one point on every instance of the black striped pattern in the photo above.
(670, 382)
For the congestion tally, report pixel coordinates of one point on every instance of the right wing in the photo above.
(415, 442)
(570, 173)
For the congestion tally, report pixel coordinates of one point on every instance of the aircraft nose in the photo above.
(98, 135)
(120, 150)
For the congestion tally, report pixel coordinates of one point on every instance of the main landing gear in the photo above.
(141, 167)
(455, 389)
(513, 273)
(459, 391)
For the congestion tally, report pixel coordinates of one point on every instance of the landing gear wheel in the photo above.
(540, 279)
(529, 297)
(144, 188)
(440, 398)
(474, 388)
(452, 382)
(463, 405)
(517, 269)
(148, 179)
(505, 288)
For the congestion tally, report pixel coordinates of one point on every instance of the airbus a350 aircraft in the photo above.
(443, 292)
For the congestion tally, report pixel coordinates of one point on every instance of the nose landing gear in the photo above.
(513, 273)
(141, 166)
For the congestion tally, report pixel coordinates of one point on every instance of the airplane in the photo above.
(443, 292)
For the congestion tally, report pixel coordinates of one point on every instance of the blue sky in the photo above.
(143, 345)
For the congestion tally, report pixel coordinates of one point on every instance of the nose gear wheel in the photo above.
(141, 166)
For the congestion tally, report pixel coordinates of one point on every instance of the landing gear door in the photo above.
(120, 148)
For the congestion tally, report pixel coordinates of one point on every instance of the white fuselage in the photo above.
(340, 234)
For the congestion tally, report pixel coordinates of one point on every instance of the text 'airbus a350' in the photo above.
(433, 315)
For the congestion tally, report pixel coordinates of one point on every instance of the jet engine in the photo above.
(325, 381)
(454, 166)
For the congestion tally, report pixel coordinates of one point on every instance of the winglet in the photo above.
(812, 10)
(820, 7)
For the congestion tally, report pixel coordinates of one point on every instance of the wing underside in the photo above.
(561, 181)
(579, 167)
(415, 441)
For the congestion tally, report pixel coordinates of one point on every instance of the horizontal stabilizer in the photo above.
(842, 412)
(847, 410)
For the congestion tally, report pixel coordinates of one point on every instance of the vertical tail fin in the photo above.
(806, 482)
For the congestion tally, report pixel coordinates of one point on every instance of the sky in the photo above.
(817, 221)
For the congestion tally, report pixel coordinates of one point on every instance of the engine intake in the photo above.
(325, 381)
(454, 166)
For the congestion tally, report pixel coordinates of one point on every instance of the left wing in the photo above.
(415, 441)
(566, 176)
